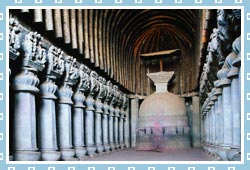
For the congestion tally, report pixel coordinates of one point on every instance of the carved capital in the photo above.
(84, 84)
(234, 71)
(237, 50)
(125, 102)
(72, 71)
(34, 51)
(213, 45)
(94, 83)
(79, 98)
(65, 95)
(103, 88)
(26, 81)
(14, 38)
(218, 89)
(115, 98)
(110, 92)
(48, 89)
(55, 63)
(222, 75)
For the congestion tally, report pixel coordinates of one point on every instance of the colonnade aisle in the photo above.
(196, 154)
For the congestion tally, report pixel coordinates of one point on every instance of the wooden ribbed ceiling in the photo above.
(112, 40)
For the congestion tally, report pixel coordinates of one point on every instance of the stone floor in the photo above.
(175, 155)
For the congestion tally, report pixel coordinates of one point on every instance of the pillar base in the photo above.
(117, 146)
(51, 155)
(80, 152)
(222, 152)
(106, 148)
(99, 148)
(68, 155)
(91, 151)
(27, 156)
(122, 146)
(112, 147)
(234, 155)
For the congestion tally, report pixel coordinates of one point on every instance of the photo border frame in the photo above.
(5, 164)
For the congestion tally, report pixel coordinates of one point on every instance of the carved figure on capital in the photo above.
(55, 62)
(72, 70)
(34, 51)
(14, 38)
(115, 98)
(213, 45)
(110, 92)
(84, 84)
(94, 83)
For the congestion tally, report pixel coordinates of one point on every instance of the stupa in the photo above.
(162, 123)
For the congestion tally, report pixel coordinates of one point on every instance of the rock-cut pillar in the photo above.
(25, 87)
(79, 114)
(47, 115)
(65, 106)
(90, 117)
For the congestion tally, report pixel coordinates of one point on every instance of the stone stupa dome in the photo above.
(162, 104)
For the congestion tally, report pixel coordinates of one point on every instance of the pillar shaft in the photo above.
(196, 123)
(235, 95)
(227, 115)
(89, 126)
(121, 132)
(116, 128)
(25, 144)
(64, 121)
(78, 125)
(111, 128)
(47, 122)
(105, 127)
(220, 120)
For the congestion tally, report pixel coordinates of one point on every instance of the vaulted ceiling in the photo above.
(112, 40)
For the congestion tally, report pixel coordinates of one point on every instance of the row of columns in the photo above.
(222, 109)
(83, 115)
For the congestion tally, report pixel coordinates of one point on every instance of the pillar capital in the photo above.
(34, 52)
(237, 50)
(222, 75)
(72, 71)
(14, 38)
(84, 82)
(55, 64)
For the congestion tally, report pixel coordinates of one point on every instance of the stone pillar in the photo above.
(134, 116)
(111, 126)
(196, 122)
(47, 115)
(235, 102)
(227, 112)
(89, 119)
(79, 113)
(126, 124)
(99, 114)
(25, 87)
(106, 115)
(237, 63)
(65, 103)
(122, 121)
(120, 144)
(116, 118)
(14, 47)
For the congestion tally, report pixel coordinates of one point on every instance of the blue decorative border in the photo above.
(4, 165)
